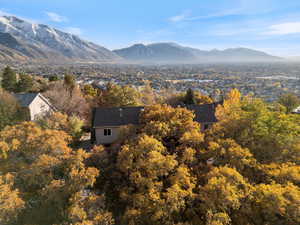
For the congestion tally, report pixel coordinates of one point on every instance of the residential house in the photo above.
(106, 122)
(36, 103)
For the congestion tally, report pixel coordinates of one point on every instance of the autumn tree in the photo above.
(224, 191)
(70, 81)
(275, 204)
(72, 125)
(148, 96)
(289, 101)
(50, 177)
(10, 110)
(269, 135)
(11, 203)
(89, 91)
(152, 179)
(116, 96)
(165, 122)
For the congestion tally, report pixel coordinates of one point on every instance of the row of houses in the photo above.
(107, 122)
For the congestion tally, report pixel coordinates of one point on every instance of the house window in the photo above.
(107, 132)
(206, 126)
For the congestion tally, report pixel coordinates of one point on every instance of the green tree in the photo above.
(189, 98)
(25, 83)
(9, 79)
(53, 78)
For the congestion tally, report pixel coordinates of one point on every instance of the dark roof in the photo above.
(26, 98)
(103, 117)
(204, 113)
(119, 116)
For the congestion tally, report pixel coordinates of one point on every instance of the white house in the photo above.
(36, 103)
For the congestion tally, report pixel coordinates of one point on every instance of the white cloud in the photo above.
(181, 17)
(241, 8)
(73, 30)
(56, 18)
(284, 29)
(186, 15)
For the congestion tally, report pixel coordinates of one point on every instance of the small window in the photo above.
(107, 132)
(206, 126)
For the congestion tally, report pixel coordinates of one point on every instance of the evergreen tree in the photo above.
(53, 78)
(190, 97)
(25, 83)
(9, 80)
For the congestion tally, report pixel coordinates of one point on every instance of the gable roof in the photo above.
(26, 99)
(120, 116)
(117, 116)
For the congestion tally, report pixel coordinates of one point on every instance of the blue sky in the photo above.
(269, 25)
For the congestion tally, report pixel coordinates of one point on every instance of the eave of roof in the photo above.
(120, 116)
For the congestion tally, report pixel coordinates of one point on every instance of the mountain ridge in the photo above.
(166, 52)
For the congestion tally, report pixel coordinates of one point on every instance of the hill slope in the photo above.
(19, 38)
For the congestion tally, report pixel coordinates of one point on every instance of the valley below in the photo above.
(264, 80)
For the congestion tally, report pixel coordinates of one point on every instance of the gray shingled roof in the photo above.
(26, 98)
(106, 117)
(119, 116)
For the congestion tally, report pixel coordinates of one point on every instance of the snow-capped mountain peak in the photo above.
(50, 41)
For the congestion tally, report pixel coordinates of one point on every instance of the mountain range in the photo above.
(174, 53)
(21, 40)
